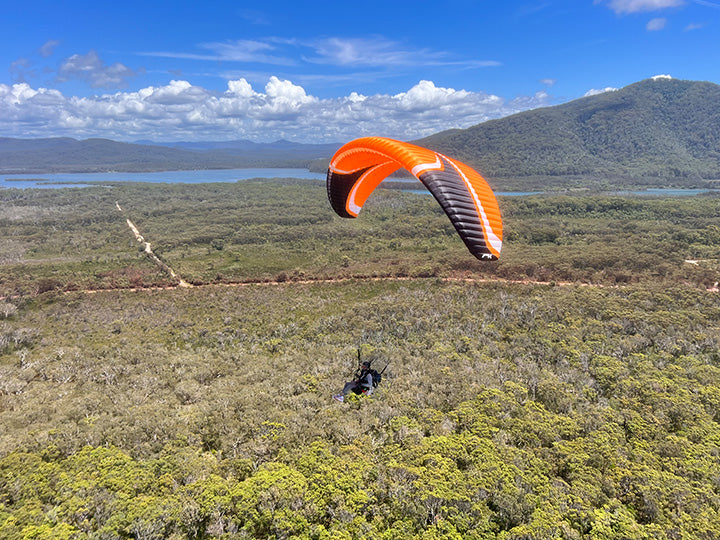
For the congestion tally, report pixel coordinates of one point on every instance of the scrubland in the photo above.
(569, 390)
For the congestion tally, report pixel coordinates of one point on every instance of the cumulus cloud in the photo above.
(282, 109)
(656, 24)
(91, 69)
(636, 6)
(595, 92)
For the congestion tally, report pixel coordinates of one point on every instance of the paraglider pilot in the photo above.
(364, 382)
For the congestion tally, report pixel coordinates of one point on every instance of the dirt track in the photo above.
(149, 252)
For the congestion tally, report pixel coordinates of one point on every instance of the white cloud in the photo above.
(91, 69)
(368, 52)
(16, 94)
(375, 51)
(240, 88)
(286, 91)
(661, 77)
(248, 51)
(656, 24)
(426, 96)
(379, 51)
(595, 92)
(241, 50)
(636, 6)
(708, 3)
(181, 111)
(282, 100)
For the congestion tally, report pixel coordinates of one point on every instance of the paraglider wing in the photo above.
(361, 165)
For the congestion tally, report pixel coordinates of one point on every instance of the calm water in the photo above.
(53, 181)
(498, 193)
(61, 180)
(667, 192)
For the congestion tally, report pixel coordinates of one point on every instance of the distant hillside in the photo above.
(654, 132)
(28, 156)
(242, 147)
(662, 128)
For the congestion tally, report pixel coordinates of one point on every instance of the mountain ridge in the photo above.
(665, 128)
(65, 154)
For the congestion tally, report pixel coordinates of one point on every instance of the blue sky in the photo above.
(311, 71)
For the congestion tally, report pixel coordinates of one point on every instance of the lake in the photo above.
(667, 192)
(62, 180)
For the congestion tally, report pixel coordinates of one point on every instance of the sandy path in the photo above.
(149, 252)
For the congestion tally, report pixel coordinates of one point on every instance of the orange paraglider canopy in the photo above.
(361, 165)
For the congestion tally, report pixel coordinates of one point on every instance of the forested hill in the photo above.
(658, 127)
(63, 154)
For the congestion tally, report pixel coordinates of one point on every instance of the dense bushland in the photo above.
(507, 411)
